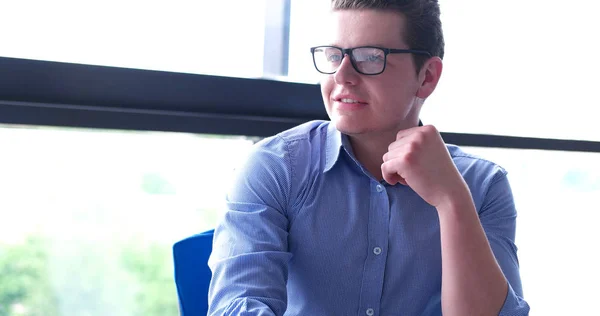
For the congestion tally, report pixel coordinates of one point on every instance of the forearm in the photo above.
(249, 263)
(244, 306)
(472, 281)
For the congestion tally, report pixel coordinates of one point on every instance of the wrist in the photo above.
(456, 202)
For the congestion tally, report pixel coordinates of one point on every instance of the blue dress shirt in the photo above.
(309, 231)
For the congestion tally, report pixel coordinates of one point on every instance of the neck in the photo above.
(370, 148)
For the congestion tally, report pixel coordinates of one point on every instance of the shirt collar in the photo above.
(334, 144)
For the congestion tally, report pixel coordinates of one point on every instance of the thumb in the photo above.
(393, 178)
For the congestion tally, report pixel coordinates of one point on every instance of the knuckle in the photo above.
(430, 129)
(415, 145)
(409, 157)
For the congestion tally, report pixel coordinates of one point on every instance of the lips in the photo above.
(348, 99)
(348, 103)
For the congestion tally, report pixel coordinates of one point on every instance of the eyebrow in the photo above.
(363, 45)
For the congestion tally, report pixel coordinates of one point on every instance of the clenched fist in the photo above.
(419, 158)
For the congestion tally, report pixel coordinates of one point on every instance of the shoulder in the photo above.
(469, 163)
(287, 149)
(292, 144)
(278, 163)
(303, 132)
(479, 173)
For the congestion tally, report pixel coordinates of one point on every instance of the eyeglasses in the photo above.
(367, 60)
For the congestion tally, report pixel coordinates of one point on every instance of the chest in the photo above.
(346, 214)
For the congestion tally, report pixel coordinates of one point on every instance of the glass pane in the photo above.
(520, 71)
(307, 20)
(556, 194)
(180, 36)
(88, 217)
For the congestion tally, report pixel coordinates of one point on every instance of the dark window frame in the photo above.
(48, 93)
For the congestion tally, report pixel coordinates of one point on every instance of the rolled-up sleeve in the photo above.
(498, 217)
(250, 250)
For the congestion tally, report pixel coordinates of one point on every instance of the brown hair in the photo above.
(423, 30)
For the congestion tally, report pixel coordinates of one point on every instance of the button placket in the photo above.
(378, 226)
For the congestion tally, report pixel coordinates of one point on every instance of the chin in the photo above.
(350, 126)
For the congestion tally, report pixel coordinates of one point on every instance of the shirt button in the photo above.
(379, 188)
(370, 312)
(377, 250)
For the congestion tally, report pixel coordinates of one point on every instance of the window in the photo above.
(307, 19)
(205, 37)
(556, 196)
(521, 71)
(89, 216)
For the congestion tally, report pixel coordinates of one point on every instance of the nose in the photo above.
(346, 74)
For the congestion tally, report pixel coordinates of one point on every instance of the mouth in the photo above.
(349, 100)
(348, 104)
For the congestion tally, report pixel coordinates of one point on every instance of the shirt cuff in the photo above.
(514, 305)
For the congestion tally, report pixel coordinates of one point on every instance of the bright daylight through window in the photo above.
(88, 217)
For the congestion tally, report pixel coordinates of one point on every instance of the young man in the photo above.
(369, 214)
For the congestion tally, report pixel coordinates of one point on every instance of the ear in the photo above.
(429, 76)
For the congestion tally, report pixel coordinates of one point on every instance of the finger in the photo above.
(399, 152)
(390, 171)
(392, 179)
(406, 132)
(401, 141)
(404, 152)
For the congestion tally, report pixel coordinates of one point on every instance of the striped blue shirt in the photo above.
(309, 231)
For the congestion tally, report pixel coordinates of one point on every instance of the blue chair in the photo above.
(192, 275)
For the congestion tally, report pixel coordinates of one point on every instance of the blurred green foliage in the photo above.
(80, 278)
(25, 285)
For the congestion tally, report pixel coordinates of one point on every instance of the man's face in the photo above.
(388, 101)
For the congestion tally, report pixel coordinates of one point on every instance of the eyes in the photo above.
(367, 60)
(334, 58)
(370, 55)
(374, 58)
